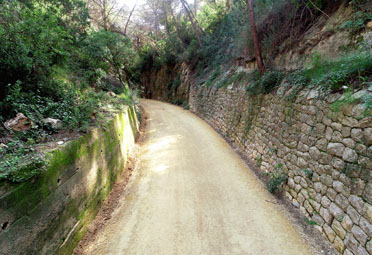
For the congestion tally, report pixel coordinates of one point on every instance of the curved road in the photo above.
(194, 195)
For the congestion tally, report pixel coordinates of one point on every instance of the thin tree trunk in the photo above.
(166, 19)
(104, 15)
(176, 24)
(192, 23)
(130, 15)
(256, 42)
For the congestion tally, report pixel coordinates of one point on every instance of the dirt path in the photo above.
(193, 195)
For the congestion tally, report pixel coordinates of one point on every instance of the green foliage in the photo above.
(277, 178)
(20, 162)
(259, 160)
(53, 65)
(266, 83)
(308, 173)
(332, 75)
(347, 98)
(309, 222)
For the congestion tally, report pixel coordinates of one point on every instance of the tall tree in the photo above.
(128, 20)
(190, 15)
(256, 42)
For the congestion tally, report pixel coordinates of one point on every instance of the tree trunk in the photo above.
(104, 15)
(176, 24)
(130, 15)
(166, 19)
(257, 48)
(192, 23)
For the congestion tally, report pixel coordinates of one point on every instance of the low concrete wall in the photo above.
(50, 214)
(326, 154)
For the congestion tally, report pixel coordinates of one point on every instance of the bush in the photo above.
(266, 83)
(277, 178)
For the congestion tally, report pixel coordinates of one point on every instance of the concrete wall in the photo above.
(327, 154)
(50, 214)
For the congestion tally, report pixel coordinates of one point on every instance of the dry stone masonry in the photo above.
(327, 154)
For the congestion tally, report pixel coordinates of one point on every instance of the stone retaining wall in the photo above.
(49, 214)
(327, 154)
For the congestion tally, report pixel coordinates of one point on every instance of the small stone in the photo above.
(300, 198)
(359, 234)
(314, 153)
(302, 163)
(350, 122)
(360, 148)
(342, 201)
(326, 121)
(357, 111)
(353, 214)
(336, 149)
(328, 133)
(321, 144)
(327, 217)
(357, 186)
(347, 223)
(54, 123)
(302, 147)
(367, 136)
(351, 243)
(338, 186)
(367, 194)
(331, 193)
(337, 227)
(329, 233)
(327, 180)
(325, 158)
(366, 122)
(336, 211)
(308, 207)
(348, 142)
(347, 252)
(339, 244)
(325, 202)
(356, 202)
(297, 179)
(357, 134)
(369, 247)
(345, 131)
(318, 186)
(350, 155)
(60, 142)
(19, 123)
(369, 24)
(367, 212)
(291, 183)
(365, 226)
(336, 126)
(338, 163)
(362, 251)
(319, 221)
(295, 204)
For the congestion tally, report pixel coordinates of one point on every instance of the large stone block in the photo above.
(336, 149)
